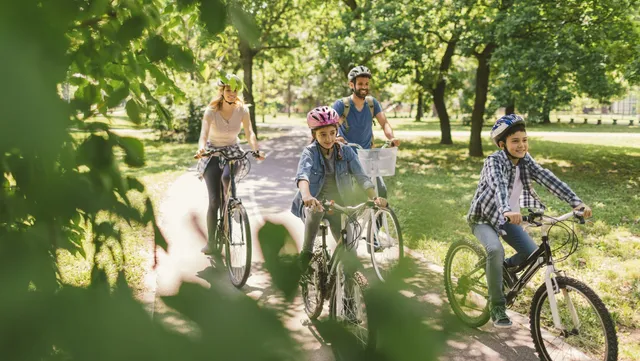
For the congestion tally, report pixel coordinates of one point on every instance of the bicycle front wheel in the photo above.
(312, 286)
(384, 242)
(465, 282)
(348, 307)
(587, 331)
(238, 245)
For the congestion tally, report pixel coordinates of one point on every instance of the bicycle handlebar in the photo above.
(220, 152)
(539, 219)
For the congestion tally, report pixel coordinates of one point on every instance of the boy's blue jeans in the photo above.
(517, 238)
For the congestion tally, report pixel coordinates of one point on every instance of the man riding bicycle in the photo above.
(357, 119)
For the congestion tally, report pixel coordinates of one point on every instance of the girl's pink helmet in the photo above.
(322, 116)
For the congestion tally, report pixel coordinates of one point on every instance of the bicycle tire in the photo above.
(392, 245)
(540, 318)
(337, 308)
(238, 275)
(455, 285)
(313, 306)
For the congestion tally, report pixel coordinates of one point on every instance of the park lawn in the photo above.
(165, 162)
(434, 185)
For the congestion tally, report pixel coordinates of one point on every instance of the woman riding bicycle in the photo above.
(324, 172)
(505, 185)
(221, 124)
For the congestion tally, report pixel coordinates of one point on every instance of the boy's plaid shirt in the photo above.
(491, 200)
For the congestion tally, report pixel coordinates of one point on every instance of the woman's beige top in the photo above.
(224, 132)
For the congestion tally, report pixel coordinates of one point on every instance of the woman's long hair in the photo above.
(216, 103)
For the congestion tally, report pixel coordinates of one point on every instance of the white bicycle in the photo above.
(384, 237)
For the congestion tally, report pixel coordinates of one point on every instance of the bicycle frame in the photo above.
(539, 258)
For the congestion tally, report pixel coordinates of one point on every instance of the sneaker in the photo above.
(208, 249)
(499, 317)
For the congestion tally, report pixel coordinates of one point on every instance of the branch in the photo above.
(442, 39)
(351, 4)
(269, 25)
(276, 47)
(92, 22)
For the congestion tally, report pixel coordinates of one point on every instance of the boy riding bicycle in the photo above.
(504, 186)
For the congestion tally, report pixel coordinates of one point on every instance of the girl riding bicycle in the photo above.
(324, 172)
(505, 185)
(221, 124)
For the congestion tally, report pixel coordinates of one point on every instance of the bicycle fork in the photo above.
(552, 289)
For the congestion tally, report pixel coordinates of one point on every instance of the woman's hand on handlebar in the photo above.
(585, 209)
(199, 153)
(259, 155)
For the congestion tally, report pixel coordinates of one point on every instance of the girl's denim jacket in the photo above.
(312, 169)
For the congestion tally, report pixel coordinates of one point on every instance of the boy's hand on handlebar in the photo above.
(380, 202)
(585, 209)
(312, 203)
(513, 217)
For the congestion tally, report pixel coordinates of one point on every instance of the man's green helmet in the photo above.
(231, 80)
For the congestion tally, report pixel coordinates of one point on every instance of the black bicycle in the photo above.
(568, 320)
(233, 232)
(327, 278)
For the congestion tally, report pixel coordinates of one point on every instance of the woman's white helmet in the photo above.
(502, 125)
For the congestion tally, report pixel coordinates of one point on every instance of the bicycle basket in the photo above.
(378, 161)
(563, 240)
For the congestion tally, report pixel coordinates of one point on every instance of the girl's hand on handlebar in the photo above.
(312, 203)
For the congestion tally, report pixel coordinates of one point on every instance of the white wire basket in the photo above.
(378, 161)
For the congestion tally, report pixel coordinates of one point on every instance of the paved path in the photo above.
(267, 193)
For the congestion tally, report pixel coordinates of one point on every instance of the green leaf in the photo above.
(134, 183)
(246, 25)
(284, 269)
(132, 28)
(213, 13)
(183, 4)
(118, 96)
(133, 111)
(98, 7)
(183, 57)
(134, 151)
(157, 48)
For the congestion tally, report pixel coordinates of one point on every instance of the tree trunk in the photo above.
(510, 108)
(420, 112)
(482, 88)
(546, 111)
(289, 99)
(441, 108)
(247, 54)
(439, 94)
(411, 109)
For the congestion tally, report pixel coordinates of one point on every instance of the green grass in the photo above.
(434, 184)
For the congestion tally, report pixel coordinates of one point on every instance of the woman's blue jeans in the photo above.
(517, 238)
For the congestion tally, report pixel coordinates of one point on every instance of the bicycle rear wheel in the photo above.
(466, 283)
(384, 242)
(347, 306)
(238, 245)
(588, 331)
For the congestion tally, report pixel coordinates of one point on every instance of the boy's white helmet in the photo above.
(502, 125)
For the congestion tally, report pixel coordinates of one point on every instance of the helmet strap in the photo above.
(504, 147)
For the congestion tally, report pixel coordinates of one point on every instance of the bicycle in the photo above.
(326, 278)
(384, 236)
(233, 231)
(577, 323)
